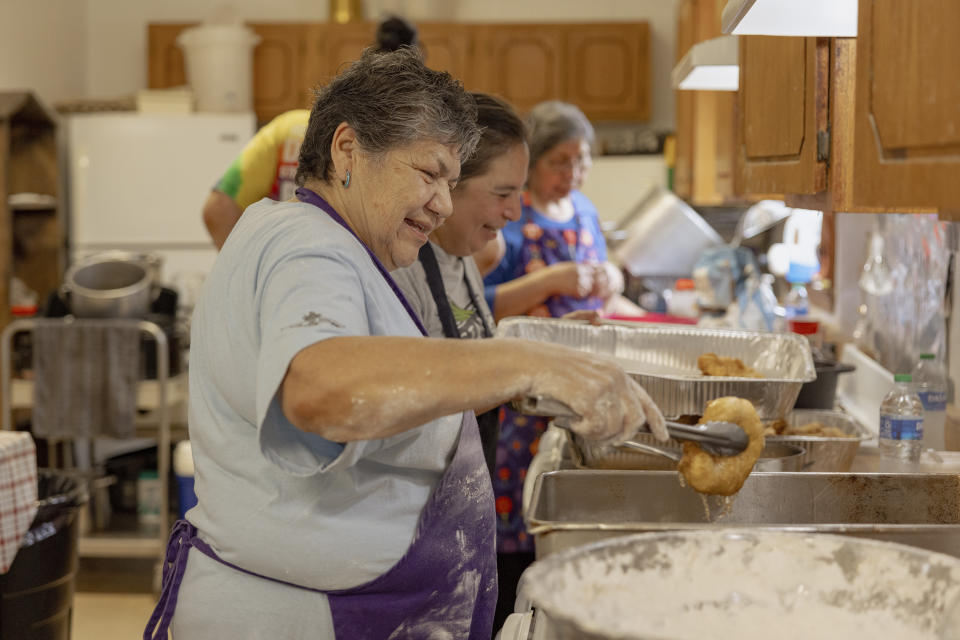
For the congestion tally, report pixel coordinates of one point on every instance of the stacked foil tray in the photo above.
(663, 359)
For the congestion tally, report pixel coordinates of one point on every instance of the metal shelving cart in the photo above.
(155, 401)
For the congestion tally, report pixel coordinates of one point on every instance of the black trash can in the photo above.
(36, 594)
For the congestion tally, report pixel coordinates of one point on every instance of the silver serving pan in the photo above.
(663, 359)
(744, 583)
(826, 454)
(575, 507)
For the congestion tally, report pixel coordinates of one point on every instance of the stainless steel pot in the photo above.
(108, 287)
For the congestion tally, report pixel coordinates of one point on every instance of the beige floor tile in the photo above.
(113, 599)
(110, 616)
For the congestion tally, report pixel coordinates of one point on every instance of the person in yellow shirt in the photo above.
(265, 168)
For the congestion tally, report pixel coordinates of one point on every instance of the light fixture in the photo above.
(710, 65)
(827, 18)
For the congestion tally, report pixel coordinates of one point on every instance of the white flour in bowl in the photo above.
(747, 585)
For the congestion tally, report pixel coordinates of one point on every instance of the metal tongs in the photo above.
(716, 437)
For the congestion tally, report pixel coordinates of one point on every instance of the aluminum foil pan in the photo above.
(826, 454)
(663, 359)
(750, 584)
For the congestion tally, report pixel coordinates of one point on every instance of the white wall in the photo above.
(39, 45)
(98, 48)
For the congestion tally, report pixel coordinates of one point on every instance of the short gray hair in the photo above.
(390, 100)
(553, 122)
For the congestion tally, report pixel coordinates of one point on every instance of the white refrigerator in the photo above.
(138, 182)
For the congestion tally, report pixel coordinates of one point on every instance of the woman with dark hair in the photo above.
(341, 484)
(444, 285)
(554, 264)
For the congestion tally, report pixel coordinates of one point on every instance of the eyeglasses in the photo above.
(568, 163)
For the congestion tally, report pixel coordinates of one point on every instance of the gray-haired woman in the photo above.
(342, 490)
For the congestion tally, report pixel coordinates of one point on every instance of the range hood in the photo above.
(711, 65)
(827, 18)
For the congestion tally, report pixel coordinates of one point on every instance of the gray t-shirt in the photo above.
(273, 499)
(455, 272)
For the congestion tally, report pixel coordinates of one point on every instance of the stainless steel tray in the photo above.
(663, 359)
(571, 508)
(826, 454)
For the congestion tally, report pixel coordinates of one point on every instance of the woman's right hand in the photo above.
(569, 279)
(609, 405)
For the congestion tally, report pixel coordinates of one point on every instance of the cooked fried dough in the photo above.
(710, 364)
(724, 475)
(816, 429)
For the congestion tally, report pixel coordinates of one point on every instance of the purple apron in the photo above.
(446, 582)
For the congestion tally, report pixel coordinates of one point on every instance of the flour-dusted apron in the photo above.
(445, 585)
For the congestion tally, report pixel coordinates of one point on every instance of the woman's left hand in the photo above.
(607, 280)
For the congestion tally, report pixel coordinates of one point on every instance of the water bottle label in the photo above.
(933, 400)
(900, 427)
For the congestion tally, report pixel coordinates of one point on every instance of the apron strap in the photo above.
(174, 566)
(429, 261)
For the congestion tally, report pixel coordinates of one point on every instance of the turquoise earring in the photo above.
(346, 183)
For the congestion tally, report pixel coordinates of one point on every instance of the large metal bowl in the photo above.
(746, 585)
(823, 453)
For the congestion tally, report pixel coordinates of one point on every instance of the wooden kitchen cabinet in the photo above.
(449, 47)
(608, 66)
(32, 239)
(783, 112)
(907, 110)
(602, 67)
(870, 123)
(705, 166)
(683, 102)
(523, 64)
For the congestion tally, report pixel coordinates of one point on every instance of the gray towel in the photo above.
(86, 374)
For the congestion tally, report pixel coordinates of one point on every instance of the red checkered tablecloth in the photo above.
(18, 492)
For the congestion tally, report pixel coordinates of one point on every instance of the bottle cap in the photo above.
(927, 356)
(903, 377)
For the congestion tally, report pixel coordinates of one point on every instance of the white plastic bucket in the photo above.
(219, 65)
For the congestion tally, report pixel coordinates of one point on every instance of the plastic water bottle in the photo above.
(796, 303)
(901, 421)
(930, 382)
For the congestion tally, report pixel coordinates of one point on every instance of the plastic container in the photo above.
(901, 421)
(148, 497)
(682, 301)
(797, 302)
(219, 65)
(36, 594)
(930, 383)
(183, 472)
